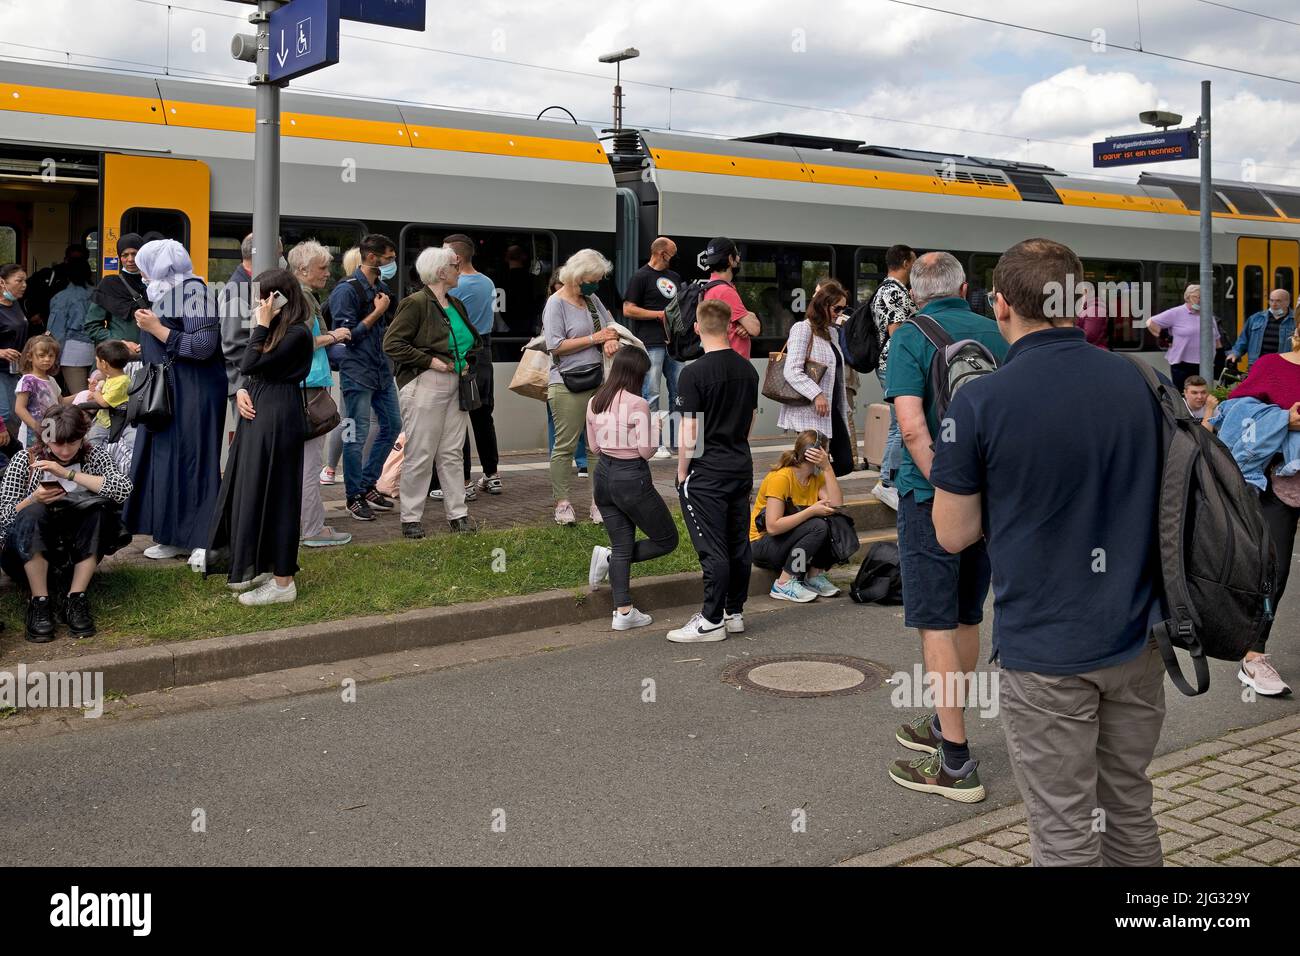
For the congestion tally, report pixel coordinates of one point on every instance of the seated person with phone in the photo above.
(781, 535)
(60, 504)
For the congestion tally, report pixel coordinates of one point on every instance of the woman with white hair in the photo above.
(1184, 325)
(176, 470)
(433, 346)
(577, 329)
(310, 264)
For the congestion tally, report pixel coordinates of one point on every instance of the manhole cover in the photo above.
(806, 675)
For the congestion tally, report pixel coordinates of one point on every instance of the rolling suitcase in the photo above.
(873, 445)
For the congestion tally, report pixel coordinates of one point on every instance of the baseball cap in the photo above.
(719, 250)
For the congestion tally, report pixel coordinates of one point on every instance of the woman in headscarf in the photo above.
(117, 297)
(177, 468)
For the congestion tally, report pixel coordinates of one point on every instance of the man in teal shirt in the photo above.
(943, 594)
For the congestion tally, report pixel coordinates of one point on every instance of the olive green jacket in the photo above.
(421, 332)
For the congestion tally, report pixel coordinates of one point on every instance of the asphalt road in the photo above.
(560, 746)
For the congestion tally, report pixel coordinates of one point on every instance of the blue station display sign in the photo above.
(304, 38)
(1150, 147)
(403, 14)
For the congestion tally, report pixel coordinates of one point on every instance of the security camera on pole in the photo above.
(293, 39)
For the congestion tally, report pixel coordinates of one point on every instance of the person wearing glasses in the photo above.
(816, 338)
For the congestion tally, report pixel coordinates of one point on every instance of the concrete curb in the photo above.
(140, 670)
(977, 827)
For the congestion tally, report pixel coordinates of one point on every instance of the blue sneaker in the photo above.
(792, 590)
(822, 585)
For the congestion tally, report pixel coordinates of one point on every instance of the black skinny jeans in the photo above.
(627, 499)
(800, 549)
(1280, 519)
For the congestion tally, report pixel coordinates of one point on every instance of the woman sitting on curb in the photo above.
(782, 532)
(60, 507)
(620, 432)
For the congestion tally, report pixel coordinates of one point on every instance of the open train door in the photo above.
(1262, 266)
(151, 193)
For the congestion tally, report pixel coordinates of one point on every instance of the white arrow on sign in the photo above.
(284, 51)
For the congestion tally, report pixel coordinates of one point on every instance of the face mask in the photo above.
(589, 288)
(9, 296)
(1194, 306)
(388, 271)
(735, 272)
(1278, 313)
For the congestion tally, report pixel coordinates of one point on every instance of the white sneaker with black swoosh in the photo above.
(698, 631)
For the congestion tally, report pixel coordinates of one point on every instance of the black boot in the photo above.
(40, 621)
(77, 613)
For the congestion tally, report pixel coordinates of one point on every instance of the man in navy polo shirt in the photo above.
(1068, 504)
(943, 594)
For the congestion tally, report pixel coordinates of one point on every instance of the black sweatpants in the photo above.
(806, 546)
(1280, 519)
(716, 509)
(625, 494)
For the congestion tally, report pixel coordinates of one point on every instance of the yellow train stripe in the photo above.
(105, 106)
(689, 162)
(506, 144)
(314, 126)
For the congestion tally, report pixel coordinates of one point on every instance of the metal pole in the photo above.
(618, 97)
(266, 149)
(1207, 245)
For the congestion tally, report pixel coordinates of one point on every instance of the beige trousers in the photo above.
(435, 431)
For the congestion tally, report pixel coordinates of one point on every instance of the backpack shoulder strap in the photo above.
(934, 333)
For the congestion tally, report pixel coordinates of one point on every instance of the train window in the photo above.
(1284, 278)
(1252, 290)
(518, 261)
(868, 272)
(980, 280)
(228, 234)
(1173, 278)
(172, 223)
(1120, 297)
(8, 244)
(776, 283)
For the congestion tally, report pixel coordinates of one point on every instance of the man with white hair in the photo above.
(943, 594)
(1265, 332)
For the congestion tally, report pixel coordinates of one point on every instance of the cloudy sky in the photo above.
(873, 70)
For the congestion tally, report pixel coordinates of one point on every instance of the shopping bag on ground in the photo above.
(390, 479)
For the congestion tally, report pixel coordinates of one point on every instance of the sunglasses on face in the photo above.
(840, 309)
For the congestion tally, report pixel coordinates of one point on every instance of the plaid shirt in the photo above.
(891, 304)
(20, 481)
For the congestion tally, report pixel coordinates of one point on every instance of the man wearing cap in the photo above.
(113, 303)
(723, 258)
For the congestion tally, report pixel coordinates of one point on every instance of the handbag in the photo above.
(585, 378)
(467, 392)
(321, 411)
(149, 400)
(532, 374)
(775, 385)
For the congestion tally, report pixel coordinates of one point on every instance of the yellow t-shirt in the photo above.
(782, 484)
(115, 393)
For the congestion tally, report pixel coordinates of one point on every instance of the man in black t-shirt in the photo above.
(717, 396)
(644, 304)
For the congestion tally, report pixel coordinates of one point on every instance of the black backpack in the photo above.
(879, 579)
(679, 319)
(862, 340)
(1216, 556)
(955, 363)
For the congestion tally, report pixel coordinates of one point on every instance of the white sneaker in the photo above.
(270, 593)
(698, 631)
(1261, 675)
(633, 618)
(198, 561)
(595, 515)
(734, 623)
(598, 570)
(663, 453)
(887, 495)
(328, 476)
(436, 494)
(161, 551)
(257, 582)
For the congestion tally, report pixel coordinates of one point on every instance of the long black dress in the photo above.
(256, 523)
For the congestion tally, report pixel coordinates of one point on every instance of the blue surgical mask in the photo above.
(1278, 313)
(9, 296)
(388, 270)
(589, 288)
(1194, 306)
